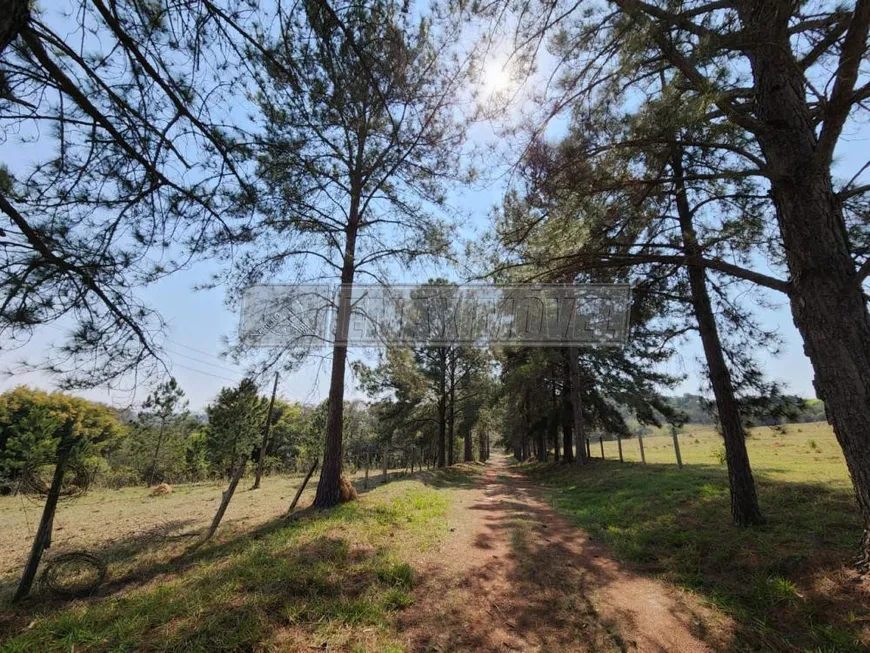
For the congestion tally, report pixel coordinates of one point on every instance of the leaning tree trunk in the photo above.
(267, 431)
(744, 502)
(827, 301)
(333, 449)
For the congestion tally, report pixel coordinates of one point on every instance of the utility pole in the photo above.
(266, 432)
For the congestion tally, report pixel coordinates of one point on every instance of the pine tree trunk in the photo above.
(442, 433)
(577, 406)
(442, 409)
(553, 422)
(333, 449)
(469, 452)
(827, 301)
(554, 436)
(567, 427)
(744, 502)
(451, 439)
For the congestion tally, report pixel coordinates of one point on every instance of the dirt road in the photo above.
(514, 576)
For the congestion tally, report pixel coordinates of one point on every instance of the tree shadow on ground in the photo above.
(787, 584)
(528, 589)
(166, 554)
(272, 594)
(118, 554)
(133, 561)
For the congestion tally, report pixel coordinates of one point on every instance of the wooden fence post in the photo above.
(619, 444)
(677, 447)
(601, 443)
(642, 454)
(384, 456)
(588, 451)
(42, 540)
(304, 483)
(227, 495)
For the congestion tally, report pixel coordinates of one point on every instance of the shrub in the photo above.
(122, 476)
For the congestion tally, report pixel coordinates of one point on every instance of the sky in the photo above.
(199, 322)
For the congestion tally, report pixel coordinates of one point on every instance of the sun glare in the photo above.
(496, 78)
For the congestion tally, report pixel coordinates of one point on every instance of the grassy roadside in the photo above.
(123, 525)
(335, 577)
(785, 583)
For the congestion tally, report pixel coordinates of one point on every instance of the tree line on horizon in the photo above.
(162, 441)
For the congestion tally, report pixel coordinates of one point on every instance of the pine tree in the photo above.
(357, 140)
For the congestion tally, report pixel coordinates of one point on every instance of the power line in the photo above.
(199, 360)
(193, 358)
(198, 351)
(217, 376)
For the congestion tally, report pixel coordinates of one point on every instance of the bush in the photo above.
(272, 465)
(87, 472)
(119, 477)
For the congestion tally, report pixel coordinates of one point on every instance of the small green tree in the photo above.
(196, 456)
(162, 417)
(30, 422)
(235, 420)
(293, 441)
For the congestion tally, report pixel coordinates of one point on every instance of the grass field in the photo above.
(266, 583)
(787, 584)
(124, 525)
(282, 585)
(805, 453)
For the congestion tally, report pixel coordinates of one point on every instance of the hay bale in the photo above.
(161, 490)
(346, 491)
